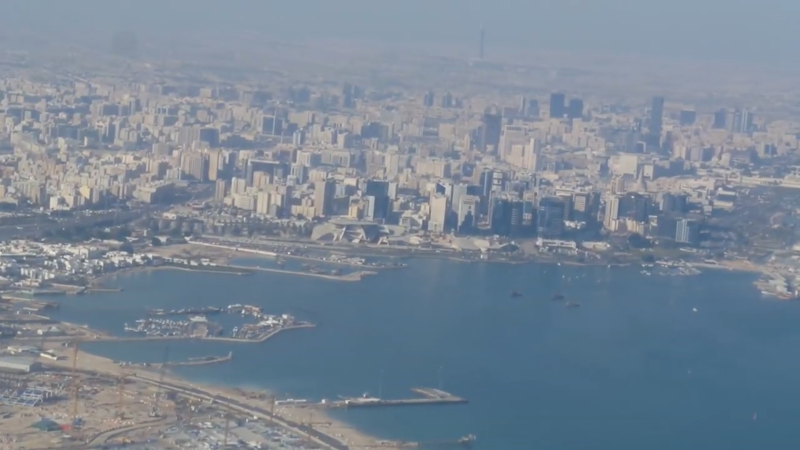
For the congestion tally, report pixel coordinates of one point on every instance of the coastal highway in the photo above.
(301, 429)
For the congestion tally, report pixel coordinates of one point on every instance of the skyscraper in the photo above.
(531, 108)
(550, 218)
(575, 109)
(379, 190)
(438, 211)
(428, 99)
(491, 129)
(347, 96)
(557, 105)
(687, 232)
(214, 164)
(324, 192)
(447, 100)
(220, 190)
(720, 119)
(742, 121)
(467, 210)
(657, 116)
(612, 211)
(506, 216)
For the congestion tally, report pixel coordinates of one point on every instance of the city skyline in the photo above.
(661, 30)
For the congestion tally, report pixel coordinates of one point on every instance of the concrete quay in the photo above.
(428, 396)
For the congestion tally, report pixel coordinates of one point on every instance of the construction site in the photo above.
(56, 402)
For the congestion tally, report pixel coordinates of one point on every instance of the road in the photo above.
(300, 429)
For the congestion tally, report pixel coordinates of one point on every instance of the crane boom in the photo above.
(155, 411)
(75, 384)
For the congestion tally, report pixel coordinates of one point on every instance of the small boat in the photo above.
(558, 297)
(573, 305)
(515, 294)
(694, 309)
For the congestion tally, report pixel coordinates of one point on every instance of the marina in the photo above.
(210, 310)
(158, 325)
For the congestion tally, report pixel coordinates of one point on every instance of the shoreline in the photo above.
(96, 284)
(285, 416)
(272, 255)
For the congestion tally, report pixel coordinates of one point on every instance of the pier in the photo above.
(427, 396)
(465, 441)
(202, 361)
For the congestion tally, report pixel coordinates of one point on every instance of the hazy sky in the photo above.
(749, 31)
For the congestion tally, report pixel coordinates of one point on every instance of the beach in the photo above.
(326, 424)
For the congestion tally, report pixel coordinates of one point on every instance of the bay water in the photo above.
(634, 367)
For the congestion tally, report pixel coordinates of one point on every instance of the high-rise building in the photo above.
(557, 105)
(491, 129)
(657, 116)
(530, 109)
(215, 163)
(506, 216)
(275, 169)
(347, 96)
(687, 232)
(635, 206)
(532, 158)
(575, 109)
(612, 211)
(447, 100)
(428, 99)
(742, 121)
(271, 125)
(585, 206)
(220, 190)
(324, 193)
(379, 191)
(720, 119)
(298, 138)
(195, 165)
(550, 218)
(467, 211)
(438, 207)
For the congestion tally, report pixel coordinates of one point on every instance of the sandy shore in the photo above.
(335, 428)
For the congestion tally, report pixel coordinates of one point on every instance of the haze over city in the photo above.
(746, 32)
(359, 224)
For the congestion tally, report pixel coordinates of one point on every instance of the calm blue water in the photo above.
(632, 368)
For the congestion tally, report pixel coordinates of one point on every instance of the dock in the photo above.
(198, 361)
(427, 396)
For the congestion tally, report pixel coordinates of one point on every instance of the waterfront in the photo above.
(634, 367)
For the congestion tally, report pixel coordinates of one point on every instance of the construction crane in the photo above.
(154, 412)
(75, 385)
(121, 393)
(227, 430)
